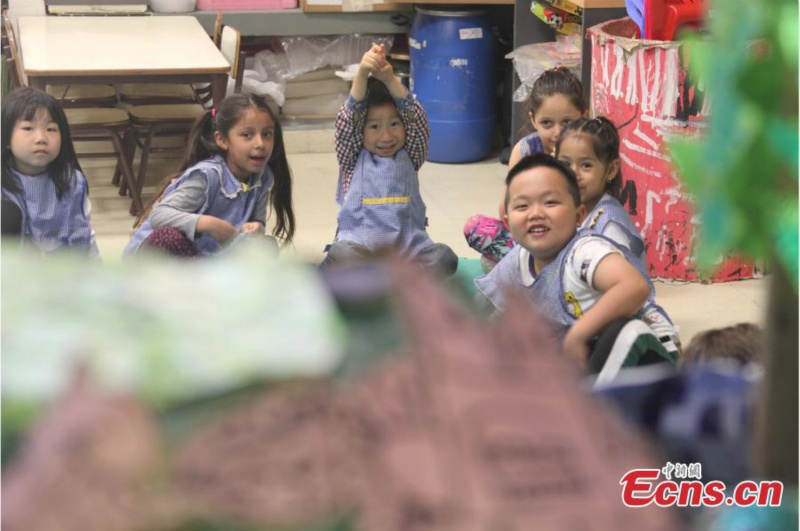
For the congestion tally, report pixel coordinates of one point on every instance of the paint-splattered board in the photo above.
(643, 87)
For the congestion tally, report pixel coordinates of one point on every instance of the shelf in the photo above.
(288, 22)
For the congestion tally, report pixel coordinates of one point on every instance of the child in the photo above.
(234, 166)
(381, 142)
(591, 149)
(556, 98)
(582, 280)
(742, 343)
(42, 180)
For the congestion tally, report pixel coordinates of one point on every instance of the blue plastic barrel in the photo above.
(453, 76)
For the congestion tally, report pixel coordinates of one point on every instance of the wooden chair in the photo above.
(89, 123)
(154, 119)
(83, 95)
(230, 45)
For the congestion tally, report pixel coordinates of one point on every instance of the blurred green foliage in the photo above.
(743, 174)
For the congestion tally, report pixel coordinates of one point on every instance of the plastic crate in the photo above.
(230, 5)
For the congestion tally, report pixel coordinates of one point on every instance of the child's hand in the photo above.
(384, 74)
(373, 61)
(217, 228)
(576, 348)
(254, 228)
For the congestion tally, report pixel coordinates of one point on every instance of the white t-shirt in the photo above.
(615, 232)
(578, 281)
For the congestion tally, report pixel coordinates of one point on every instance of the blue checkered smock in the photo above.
(531, 144)
(383, 207)
(226, 198)
(50, 223)
(610, 212)
(547, 292)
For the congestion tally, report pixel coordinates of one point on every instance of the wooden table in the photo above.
(142, 49)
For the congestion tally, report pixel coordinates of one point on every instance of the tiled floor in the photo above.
(452, 193)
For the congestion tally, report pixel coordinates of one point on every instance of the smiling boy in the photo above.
(580, 280)
(381, 142)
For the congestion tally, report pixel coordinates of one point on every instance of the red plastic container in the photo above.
(256, 5)
(662, 18)
(642, 86)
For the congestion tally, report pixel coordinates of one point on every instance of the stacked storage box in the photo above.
(315, 95)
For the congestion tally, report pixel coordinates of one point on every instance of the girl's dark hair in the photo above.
(23, 104)
(605, 141)
(538, 160)
(377, 94)
(202, 145)
(558, 80)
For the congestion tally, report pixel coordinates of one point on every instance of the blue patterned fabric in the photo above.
(531, 144)
(700, 415)
(49, 223)
(226, 199)
(547, 292)
(608, 212)
(383, 206)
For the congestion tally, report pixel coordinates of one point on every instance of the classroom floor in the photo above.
(452, 193)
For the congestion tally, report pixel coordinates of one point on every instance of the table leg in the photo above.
(121, 144)
(219, 85)
(37, 83)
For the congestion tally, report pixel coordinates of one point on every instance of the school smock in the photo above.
(224, 197)
(530, 144)
(383, 206)
(50, 223)
(349, 136)
(609, 218)
(563, 289)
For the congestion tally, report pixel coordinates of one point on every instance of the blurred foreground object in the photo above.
(468, 427)
(168, 330)
(744, 175)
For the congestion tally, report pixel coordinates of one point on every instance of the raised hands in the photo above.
(374, 62)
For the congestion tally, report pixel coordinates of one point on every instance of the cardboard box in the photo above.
(350, 6)
(643, 84)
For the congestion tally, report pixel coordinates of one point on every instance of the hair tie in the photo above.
(214, 112)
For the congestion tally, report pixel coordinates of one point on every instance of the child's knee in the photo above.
(448, 260)
(471, 225)
(345, 252)
(171, 241)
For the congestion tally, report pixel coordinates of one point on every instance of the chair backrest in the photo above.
(230, 45)
(11, 69)
(14, 61)
(217, 29)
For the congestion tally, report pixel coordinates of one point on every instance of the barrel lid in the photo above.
(450, 10)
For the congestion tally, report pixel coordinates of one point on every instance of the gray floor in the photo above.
(452, 193)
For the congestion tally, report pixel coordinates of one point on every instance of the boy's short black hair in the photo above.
(544, 160)
(377, 94)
